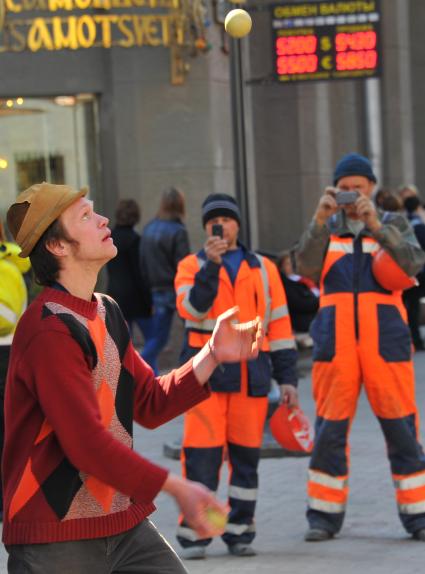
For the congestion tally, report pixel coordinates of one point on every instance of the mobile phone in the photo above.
(346, 197)
(217, 229)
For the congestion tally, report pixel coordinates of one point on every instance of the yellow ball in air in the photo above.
(238, 23)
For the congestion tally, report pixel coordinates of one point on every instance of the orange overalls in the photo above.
(231, 421)
(361, 337)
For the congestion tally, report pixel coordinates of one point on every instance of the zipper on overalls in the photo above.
(357, 257)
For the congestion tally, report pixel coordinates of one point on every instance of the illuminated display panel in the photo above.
(326, 40)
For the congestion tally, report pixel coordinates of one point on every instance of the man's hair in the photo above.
(282, 257)
(127, 212)
(408, 186)
(411, 203)
(172, 204)
(45, 265)
(391, 202)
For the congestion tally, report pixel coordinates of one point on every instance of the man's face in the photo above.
(90, 232)
(230, 229)
(355, 183)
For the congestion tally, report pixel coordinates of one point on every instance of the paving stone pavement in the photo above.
(372, 540)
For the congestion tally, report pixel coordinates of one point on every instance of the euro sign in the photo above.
(326, 62)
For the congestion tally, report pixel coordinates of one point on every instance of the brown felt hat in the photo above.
(35, 209)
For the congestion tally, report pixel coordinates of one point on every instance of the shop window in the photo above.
(47, 139)
(35, 168)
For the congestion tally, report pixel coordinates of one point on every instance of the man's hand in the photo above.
(233, 342)
(326, 207)
(194, 500)
(366, 211)
(214, 248)
(289, 394)
(230, 343)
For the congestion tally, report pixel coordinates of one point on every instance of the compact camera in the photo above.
(346, 197)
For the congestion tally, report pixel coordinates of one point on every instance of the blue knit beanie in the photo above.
(353, 164)
(220, 204)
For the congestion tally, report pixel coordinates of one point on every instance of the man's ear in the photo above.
(57, 247)
(372, 186)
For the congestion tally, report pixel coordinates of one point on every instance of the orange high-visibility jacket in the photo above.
(204, 291)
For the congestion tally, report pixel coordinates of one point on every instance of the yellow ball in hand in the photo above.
(216, 518)
(238, 23)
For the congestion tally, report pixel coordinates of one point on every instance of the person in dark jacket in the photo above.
(412, 297)
(301, 294)
(165, 242)
(127, 284)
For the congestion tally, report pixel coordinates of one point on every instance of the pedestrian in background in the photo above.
(77, 496)
(164, 243)
(13, 301)
(412, 296)
(389, 201)
(127, 283)
(360, 338)
(224, 273)
(386, 200)
(302, 295)
(407, 190)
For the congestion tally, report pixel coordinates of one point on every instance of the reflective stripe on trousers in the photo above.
(327, 493)
(233, 421)
(410, 493)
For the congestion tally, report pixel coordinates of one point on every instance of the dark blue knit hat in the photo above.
(218, 204)
(353, 164)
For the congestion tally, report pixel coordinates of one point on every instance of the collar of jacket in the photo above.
(249, 256)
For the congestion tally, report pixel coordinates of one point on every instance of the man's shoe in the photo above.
(242, 550)
(419, 535)
(317, 535)
(193, 553)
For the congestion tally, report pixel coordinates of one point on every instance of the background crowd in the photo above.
(141, 277)
(154, 273)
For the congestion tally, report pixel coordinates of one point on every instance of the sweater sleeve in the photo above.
(57, 373)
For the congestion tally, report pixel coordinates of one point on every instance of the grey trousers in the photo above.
(142, 549)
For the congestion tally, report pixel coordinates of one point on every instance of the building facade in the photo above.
(96, 106)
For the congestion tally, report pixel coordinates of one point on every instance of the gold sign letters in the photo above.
(92, 23)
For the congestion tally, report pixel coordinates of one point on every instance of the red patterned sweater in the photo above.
(75, 384)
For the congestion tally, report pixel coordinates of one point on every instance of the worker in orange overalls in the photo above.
(231, 422)
(360, 337)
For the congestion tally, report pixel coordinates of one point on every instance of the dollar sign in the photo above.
(325, 44)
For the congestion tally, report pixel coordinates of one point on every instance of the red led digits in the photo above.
(356, 51)
(296, 54)
(360, 60)
(312, 53)
(296, 45)
(355, 41)
(301, 64)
